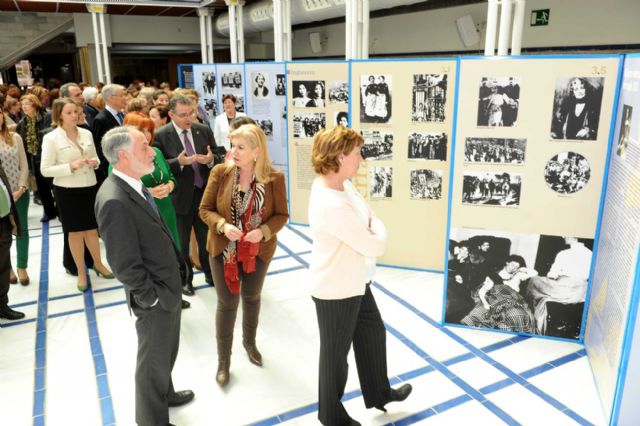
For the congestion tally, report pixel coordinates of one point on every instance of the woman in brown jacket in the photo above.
(244, 205)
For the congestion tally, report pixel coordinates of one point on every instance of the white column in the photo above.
(505, 27)
(105, 51)
(347, 30)
(96, 40)
(518, 25)
(365, 30)
(233, 38)
(203, 38)
(287, 28)
(492, 26)
(240, 30)
(209, 27)
(277, 29)
(354, 29)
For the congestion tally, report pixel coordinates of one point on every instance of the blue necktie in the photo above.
(120, 118)
(149, 198)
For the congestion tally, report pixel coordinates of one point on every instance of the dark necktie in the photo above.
(149, 198)
(120, 118)
(197, 178)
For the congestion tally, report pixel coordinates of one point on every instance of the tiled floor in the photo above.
(71, 361)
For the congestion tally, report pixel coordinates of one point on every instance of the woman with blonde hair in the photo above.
(69, 157)
(347, 237)
(15, 166)
(244, 205)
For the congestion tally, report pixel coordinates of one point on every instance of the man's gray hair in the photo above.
(110, 90)
(89, 94)
(115, 140)
(178, 99)
(64, 89)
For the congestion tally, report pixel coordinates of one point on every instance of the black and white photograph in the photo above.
(427, 146)
(308, 94)
(498, 101)
(380, 184)
(307, 124)
(426, 184)
(338, 92)
(491, 188)
(377, 145)
(567, 172)
(494, 150)
(429, 97)
(231, 79)
(211, 108)
(524, 283)
(576, 108)
(625, 131)
(266, 126)
(280, 85)
(342, 118)
(259, 85)
(208, 84)
(375, 98)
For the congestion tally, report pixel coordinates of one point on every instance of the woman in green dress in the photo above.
(160, 182)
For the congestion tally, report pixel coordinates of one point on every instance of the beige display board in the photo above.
(305, 118)
(530, 157)
(404, 109)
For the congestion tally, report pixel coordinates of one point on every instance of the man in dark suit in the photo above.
(144, 259)
(90, 96)
(8, 225)
(188, 148)
(111, 116)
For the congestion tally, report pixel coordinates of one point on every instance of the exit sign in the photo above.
(539, 17)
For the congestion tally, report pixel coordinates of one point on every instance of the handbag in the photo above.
(247, 253)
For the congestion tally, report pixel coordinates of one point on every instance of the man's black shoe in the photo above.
(9, 314)
(187, 290)
(181, 398)
(185, 304)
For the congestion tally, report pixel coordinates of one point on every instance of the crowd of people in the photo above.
(140, 168)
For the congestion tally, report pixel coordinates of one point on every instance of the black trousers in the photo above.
(44, 185)
(158, 341)
(5, 259)
(185, 222)
(341, 322)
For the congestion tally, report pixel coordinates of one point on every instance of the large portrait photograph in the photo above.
(429, 97)
(524, 283)
(259, 85)
(576, 108)
(498, 101)
(308, 93)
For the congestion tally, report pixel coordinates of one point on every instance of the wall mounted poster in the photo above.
(526, 197)
(204, 81)
(317, 97)
(404, 110)
(267, 103)
(614, 290)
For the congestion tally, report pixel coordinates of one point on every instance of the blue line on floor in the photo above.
(99, 364)
(39, 387)
(482, 355)
(299, 233)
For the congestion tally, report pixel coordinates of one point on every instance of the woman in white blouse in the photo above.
(347, 237)
(69, 157)
(221, 128)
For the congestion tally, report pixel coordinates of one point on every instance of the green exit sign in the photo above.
(539, 17)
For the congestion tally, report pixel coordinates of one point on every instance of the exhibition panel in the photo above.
(405, 111)
(204, 81)
(611, 332)
(530, 158)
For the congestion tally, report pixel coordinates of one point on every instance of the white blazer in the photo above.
(221, 130)
(57, 154)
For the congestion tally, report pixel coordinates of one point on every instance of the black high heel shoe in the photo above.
(392, 395)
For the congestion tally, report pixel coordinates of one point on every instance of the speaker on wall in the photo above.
(315, 40)
(467, 30)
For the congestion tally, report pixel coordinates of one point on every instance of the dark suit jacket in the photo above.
(102, 123)
(90, 112)
(139, 246)
(168, 141)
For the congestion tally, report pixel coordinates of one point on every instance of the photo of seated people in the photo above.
(525, 283)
